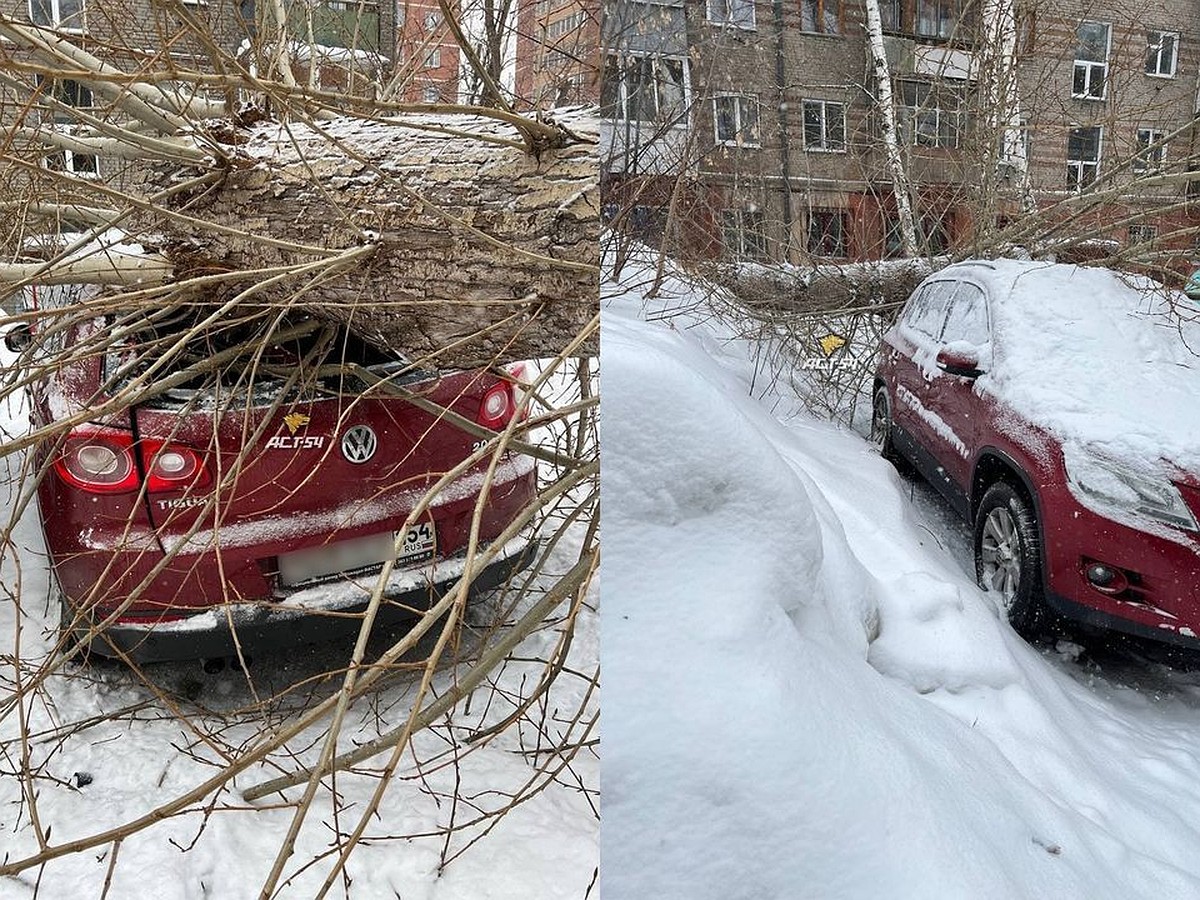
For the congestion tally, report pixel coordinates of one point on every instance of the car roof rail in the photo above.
(984, 263)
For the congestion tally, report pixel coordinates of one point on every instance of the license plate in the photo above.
(348, 557)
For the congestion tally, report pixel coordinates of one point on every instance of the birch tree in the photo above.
(886, 108)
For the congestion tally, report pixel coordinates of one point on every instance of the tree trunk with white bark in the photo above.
(901, 189)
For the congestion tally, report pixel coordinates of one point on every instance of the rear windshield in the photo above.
(188, 356)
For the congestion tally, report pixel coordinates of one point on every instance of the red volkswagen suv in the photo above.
(1058, 409)
(257, 500)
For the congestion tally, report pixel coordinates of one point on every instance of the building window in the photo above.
(928, 117)
(738, 13)
(1083, 157)
(1091, 60)
(1026, 31)
(431, 93)
(79, 96)
(644, 88)
(566, 25)
(432, 20)
(1151, 150)
(735, 120)
(824, 125)
(434, 59)
(935, 234)
(936, 18)
(336, 23)
(925, 18)
(1142, 234)
(827, 232)
(821, 16)
(68, 93)
(1160, 53)
(744, 232)
(82, 164)
(247, 15)
(57, 13)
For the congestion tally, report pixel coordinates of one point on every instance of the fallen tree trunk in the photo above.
(883, 286)
(480, 249)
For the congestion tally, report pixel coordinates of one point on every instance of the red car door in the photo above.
(912, 350)
(952, 395)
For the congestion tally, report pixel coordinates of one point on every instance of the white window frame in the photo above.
(1090, 66)
(751, 243)
(1082, 165)
(745, 134)
(929, 109)
(64, 124)
(657, 62)
(56, 16)
(1156, 47)
(69, 157)
(1145, 158)
(823, 146)
(731, 13)
(433, 59)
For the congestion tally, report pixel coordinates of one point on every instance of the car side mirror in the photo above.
(18, 337)
(964, 363)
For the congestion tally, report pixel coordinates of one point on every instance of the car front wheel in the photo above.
(1008, 555)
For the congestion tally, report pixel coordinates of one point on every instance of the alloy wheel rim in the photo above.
(1000, 552)
(879, 421)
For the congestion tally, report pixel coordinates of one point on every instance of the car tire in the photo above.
(881, 430)
(881, 422)
(1008, 559)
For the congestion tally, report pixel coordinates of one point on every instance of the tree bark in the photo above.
(467, 233)
(901, 188)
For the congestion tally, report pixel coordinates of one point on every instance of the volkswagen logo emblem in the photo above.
(359, 443)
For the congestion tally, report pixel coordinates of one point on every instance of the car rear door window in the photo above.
(967, 318)
(929, 311)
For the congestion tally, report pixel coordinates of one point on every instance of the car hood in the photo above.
(1101, 359)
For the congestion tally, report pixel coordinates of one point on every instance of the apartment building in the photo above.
(760, 122)
(334, 46)
(548, 51)
(557, 52)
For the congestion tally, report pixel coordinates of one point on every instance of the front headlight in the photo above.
(1118, 492)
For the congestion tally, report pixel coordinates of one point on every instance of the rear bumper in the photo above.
(317, 614)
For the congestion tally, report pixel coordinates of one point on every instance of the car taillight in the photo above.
(98, 461)
(102, 462)
(172, 467)
(501, 401)
(497, 407)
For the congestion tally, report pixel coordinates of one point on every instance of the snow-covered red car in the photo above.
(258, 500)
(1058, 409)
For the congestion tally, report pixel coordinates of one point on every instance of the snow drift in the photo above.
(806, 697)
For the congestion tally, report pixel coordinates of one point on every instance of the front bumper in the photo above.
(317, 614)
(1163, 600)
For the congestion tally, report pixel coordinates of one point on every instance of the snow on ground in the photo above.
(103, 722)
(807, 695)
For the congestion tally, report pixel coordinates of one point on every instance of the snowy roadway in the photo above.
(806, 693)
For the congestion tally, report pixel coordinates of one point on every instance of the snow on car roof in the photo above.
(1097, 357)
